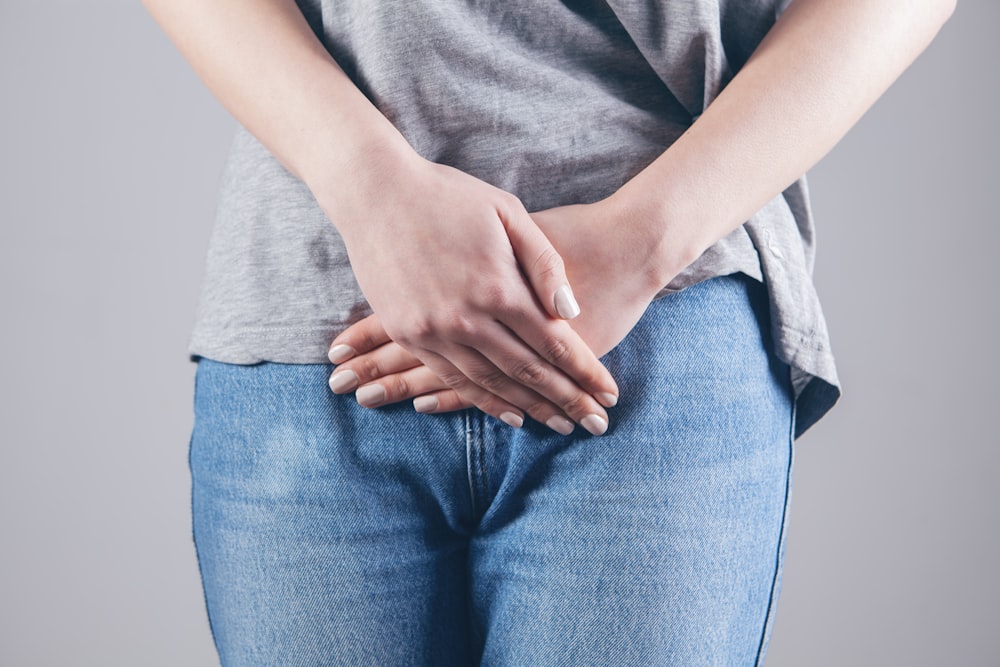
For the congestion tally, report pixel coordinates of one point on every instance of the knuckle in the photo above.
(489, 404)
(495, 299)
(539, 410)
(411, 334)
(548, 263)
(454, 380)
(368, 368)
(589, 375)
(577, 406)
(461, 403)
(399, 387)
(369, 340)
(510, 204)
(492, 380)
(556, 350)
(529, 373)
(455, 325)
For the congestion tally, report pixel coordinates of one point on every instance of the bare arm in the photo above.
(822, 65)
(471, 317)
(262, 61)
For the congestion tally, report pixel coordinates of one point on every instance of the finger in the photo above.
(507, 403)
(478, 379)
(381, 362)
(359, 338)
(391, 388)
(400, 387)
(559, 345)
(515, 366)
(540, 262)
(446, 400)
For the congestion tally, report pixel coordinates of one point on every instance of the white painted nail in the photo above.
(560, 425)
(512, 419)
(608, 400)
(341, 353)
(594, 424)
(342, 381)
(566, 305)
(370, 395)
(425, 403)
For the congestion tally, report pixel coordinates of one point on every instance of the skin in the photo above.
(822, 65)
(500, 345)
(580, 235)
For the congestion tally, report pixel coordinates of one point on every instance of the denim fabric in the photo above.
(330, 534)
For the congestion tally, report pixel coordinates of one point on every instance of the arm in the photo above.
(472, 318)
(821, 66)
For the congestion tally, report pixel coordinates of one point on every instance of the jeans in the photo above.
(331, 534)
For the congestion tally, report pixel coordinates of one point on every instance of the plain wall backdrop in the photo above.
(110, 155)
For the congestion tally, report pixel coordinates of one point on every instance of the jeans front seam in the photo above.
(484, 484)
(470, 456)
(475, 455)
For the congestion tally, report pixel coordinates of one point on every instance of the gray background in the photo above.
(110, 155)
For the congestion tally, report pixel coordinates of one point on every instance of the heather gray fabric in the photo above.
(555, 102)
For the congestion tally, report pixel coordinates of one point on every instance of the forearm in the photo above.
(472, 316)
(265, 65)
(822, 65)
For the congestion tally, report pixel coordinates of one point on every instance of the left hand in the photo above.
(615, 273)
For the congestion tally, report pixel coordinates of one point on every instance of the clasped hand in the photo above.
(467, 292)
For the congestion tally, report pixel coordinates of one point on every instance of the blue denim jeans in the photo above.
(330, 534)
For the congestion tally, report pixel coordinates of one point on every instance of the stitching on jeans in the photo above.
(199, 553)
(772, 602)
(484, 485)
(469, 460)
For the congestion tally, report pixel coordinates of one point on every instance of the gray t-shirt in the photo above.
(556, 101)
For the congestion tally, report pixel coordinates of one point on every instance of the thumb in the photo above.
(541, 263)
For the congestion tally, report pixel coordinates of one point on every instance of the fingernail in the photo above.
(370, 395)
(342, 381)
(341, 353)
(607, 399)
(425, 403)
(560, 425)
(566, 305)
(594, 424)
(512, 419)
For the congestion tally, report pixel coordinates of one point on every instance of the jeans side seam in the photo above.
(191, 503)
(775, 581)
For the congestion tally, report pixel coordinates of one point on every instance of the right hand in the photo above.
(617, 270)
(439, 255)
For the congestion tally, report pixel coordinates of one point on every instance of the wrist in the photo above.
(666, 239)
(355, 166)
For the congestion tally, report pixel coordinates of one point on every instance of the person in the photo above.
(527, 217)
